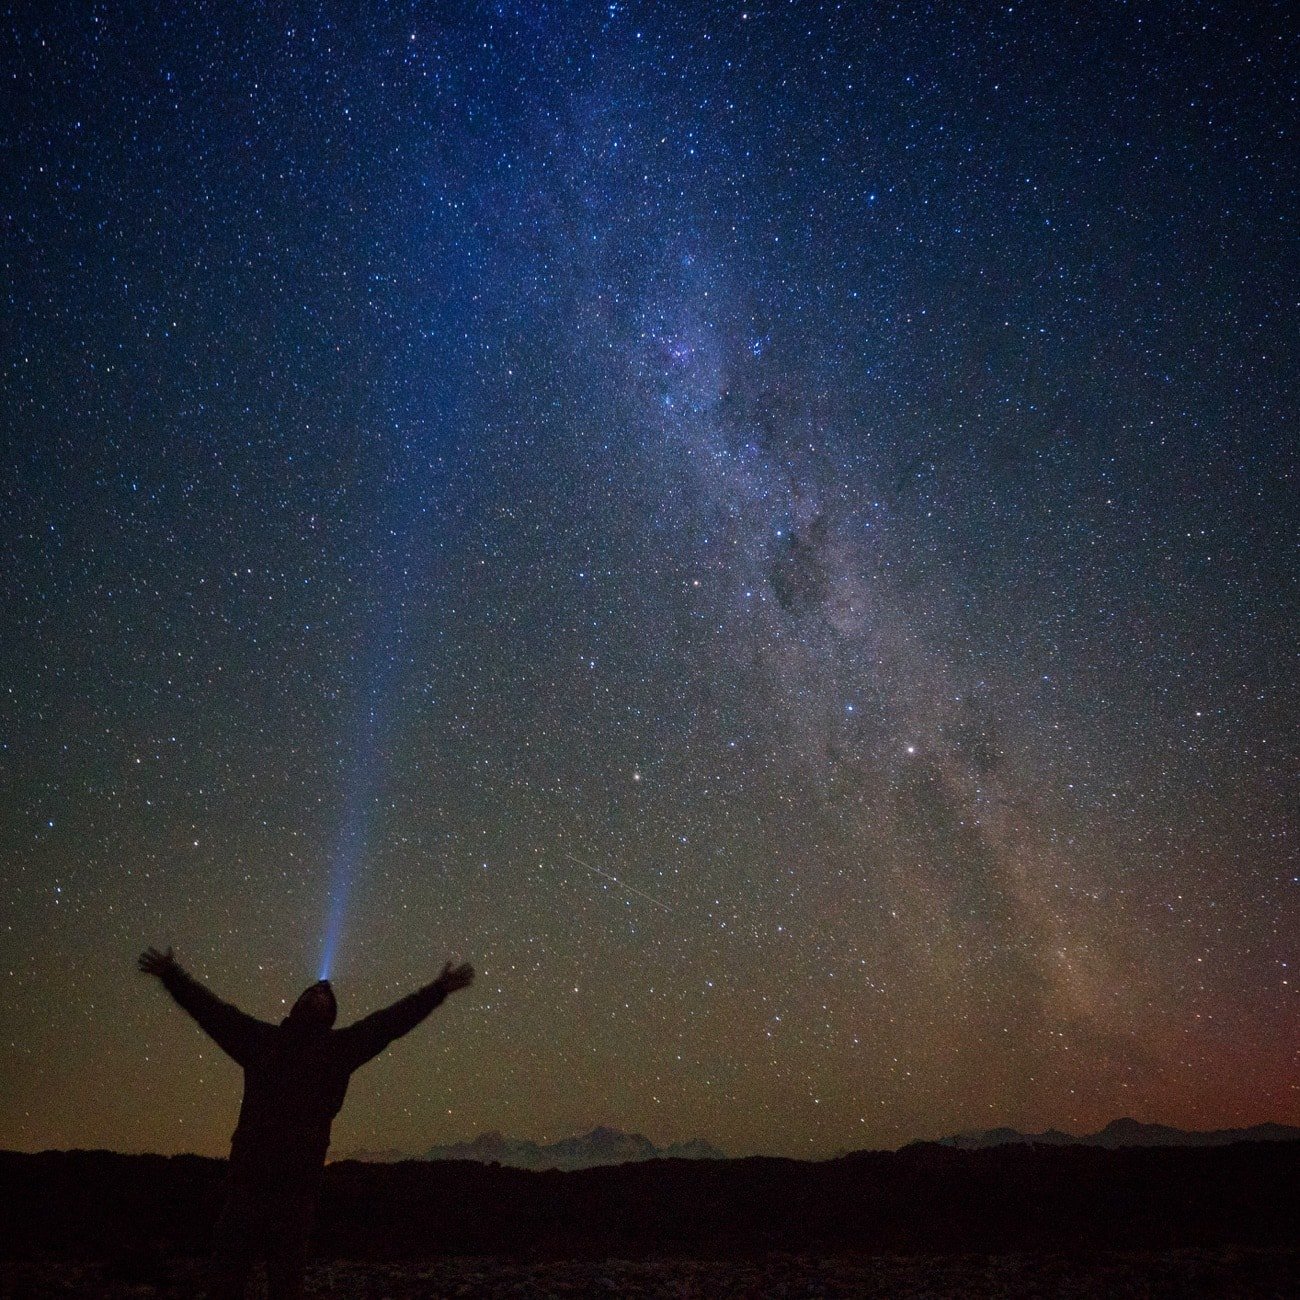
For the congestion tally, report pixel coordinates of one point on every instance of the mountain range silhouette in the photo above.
(1124, 1133)
(601, 1146)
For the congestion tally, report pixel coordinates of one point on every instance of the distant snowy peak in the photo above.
(1125, 1133)
(601, 1146)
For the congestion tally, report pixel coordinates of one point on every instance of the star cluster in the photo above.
(767, 529)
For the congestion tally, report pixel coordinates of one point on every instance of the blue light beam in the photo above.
(412, 487)
(360, 795)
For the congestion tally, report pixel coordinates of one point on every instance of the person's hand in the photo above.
(455, 977)
(154, 962)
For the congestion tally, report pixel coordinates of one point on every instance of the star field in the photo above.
(768, 529)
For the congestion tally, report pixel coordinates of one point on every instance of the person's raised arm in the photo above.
(234, 1031)
(367, 1038)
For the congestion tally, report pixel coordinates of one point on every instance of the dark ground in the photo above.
(925, 1221)
(1117, 1275)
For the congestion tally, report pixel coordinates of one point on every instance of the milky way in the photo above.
(767, 530)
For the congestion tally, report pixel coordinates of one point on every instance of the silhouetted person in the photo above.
(295, 1076)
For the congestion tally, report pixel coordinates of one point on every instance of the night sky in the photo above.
(770, 531)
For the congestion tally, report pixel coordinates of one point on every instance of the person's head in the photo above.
(315, 1007)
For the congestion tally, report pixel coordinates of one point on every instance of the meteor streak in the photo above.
(622, 884)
